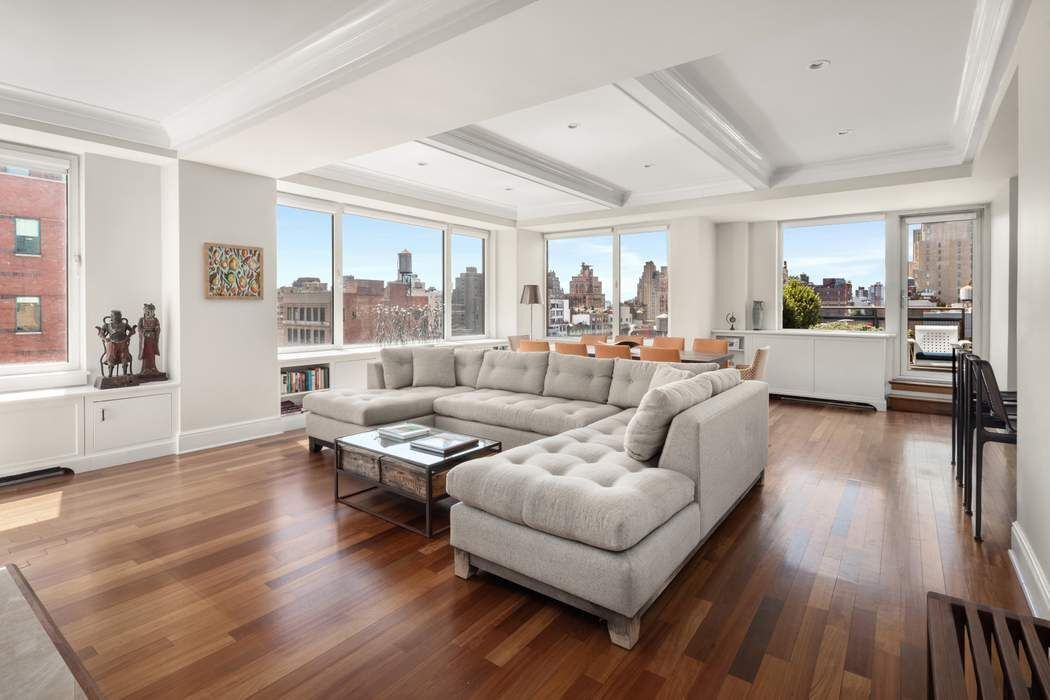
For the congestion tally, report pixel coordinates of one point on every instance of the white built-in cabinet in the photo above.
(85, 428)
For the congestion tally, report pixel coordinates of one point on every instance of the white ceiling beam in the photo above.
(676, 102)
(487, 148)
(986, 70)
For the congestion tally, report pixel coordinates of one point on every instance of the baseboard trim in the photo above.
(125, 455)
(204, 438)
(1029, 572)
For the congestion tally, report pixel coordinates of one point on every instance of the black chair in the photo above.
(993, 421)
(964, 418)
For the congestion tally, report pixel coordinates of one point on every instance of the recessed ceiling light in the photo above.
(819, 64)
(574, 125)
(844, 132)
(508, 189)
(648, 165)
(421, 163)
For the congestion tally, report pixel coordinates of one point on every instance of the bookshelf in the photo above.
(298, 381)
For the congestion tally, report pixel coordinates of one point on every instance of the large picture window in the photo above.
(834, 274)
(398, 280)
(588, 292)
(37, 330)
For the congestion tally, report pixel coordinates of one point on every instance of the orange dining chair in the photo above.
(669, 342)
(621, 351)
(534, 346)
(660, 354)
(637, 339)
(719, 345)
(594, 339)
(570, 349)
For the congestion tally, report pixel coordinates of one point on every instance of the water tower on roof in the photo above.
(404, 266)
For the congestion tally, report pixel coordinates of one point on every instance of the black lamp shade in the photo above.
(530, 294)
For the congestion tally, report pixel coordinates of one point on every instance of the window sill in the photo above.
(43, 380)
(367, 352)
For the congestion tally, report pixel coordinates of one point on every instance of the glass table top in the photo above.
(403, 451)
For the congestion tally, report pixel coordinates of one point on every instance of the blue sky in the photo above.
(854, 250)
(564, 256)
(370, 248)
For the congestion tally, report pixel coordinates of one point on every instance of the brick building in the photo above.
(32, 266)
(834, 291)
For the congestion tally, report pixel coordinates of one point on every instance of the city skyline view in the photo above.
(596, 251)
(854, 251)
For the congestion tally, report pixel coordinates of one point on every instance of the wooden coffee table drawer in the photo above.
(363, 463)
(412, 480)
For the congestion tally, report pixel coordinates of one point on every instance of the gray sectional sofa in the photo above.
(587, 503)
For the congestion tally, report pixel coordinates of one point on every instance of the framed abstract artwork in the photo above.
(233, 271)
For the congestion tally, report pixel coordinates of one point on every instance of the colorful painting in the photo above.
(233, 271)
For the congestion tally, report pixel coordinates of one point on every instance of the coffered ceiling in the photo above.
(523, 109)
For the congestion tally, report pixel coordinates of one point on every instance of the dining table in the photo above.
(685, 355)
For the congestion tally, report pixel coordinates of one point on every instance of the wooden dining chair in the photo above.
(669, 342)
(636, 339)
(594, 339)
(571, 349)
(621, 351)
(718, 345)
(534, 346)
(652, 354)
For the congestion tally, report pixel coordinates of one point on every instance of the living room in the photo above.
(779, 266)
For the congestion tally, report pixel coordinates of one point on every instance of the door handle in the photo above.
(103, 416)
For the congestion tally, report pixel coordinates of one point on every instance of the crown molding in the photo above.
(38, 107)
(374, 35)
(487, 148)
(709, 187)
(905, 160)
(993, 35)
(672, 99)
(381, 183)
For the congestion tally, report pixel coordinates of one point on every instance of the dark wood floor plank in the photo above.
(230, 572)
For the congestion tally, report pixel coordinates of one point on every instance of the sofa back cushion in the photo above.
(578, 378)
(433, 366)
(468, 365)
(648, 428)
(667, 374)
(522, 372)
(631, 378)
(397, 367)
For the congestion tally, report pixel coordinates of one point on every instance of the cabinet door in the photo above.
(135, 420)
(40, 434)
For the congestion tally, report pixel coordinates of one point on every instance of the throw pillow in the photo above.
(666, 375)
(433, 366)
(468, 365)
(647, 430)
(397, 367)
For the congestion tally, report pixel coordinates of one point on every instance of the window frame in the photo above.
(616, 232)
(72, 371)
(447, 228)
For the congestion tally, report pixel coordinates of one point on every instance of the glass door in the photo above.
(938, 296)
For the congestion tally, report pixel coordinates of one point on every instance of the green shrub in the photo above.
(801, 305)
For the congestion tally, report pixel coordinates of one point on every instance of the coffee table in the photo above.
(394, 466)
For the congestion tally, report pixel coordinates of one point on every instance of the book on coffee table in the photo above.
(445, 443)
(403, 431)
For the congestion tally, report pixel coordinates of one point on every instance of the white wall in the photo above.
(122, 248)
(764, 268)
(1031, 540)
(748, 257)
(1002, 312)
(228, 352)
(530, 271)
(692, 287)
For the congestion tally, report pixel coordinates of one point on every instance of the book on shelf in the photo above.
(403, 431)
(290, 407)
(444, 443)
(296, 381)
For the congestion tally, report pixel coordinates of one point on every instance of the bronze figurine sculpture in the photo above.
(149, 345)
(115, 333)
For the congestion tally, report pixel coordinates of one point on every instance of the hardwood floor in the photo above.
(231, 573)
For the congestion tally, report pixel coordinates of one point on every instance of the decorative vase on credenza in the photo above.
(757, 312)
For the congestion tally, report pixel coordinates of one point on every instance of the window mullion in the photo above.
(337, 278)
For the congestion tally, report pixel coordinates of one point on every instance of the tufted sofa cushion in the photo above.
(631, 378)
(377, 406)
(468, 365)
(397, 367)
(522, 372)
(579, 485)
(547, 415)
(583, 378)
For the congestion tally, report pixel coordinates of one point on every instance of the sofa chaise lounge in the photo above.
(568, 508)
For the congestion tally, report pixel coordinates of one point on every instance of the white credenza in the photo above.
(85, 428)
(837, 365)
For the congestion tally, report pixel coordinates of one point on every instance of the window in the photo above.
(399, 280)
(27, 236)
(588, 294)
(643, 283)
(27, 315)
(393, 274)
(833, 274)
(38, 334)
(304, 276)
(468, 284)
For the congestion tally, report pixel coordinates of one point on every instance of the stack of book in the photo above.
(294, 381)
(444, 443)
(288, 407)
(403, 431)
